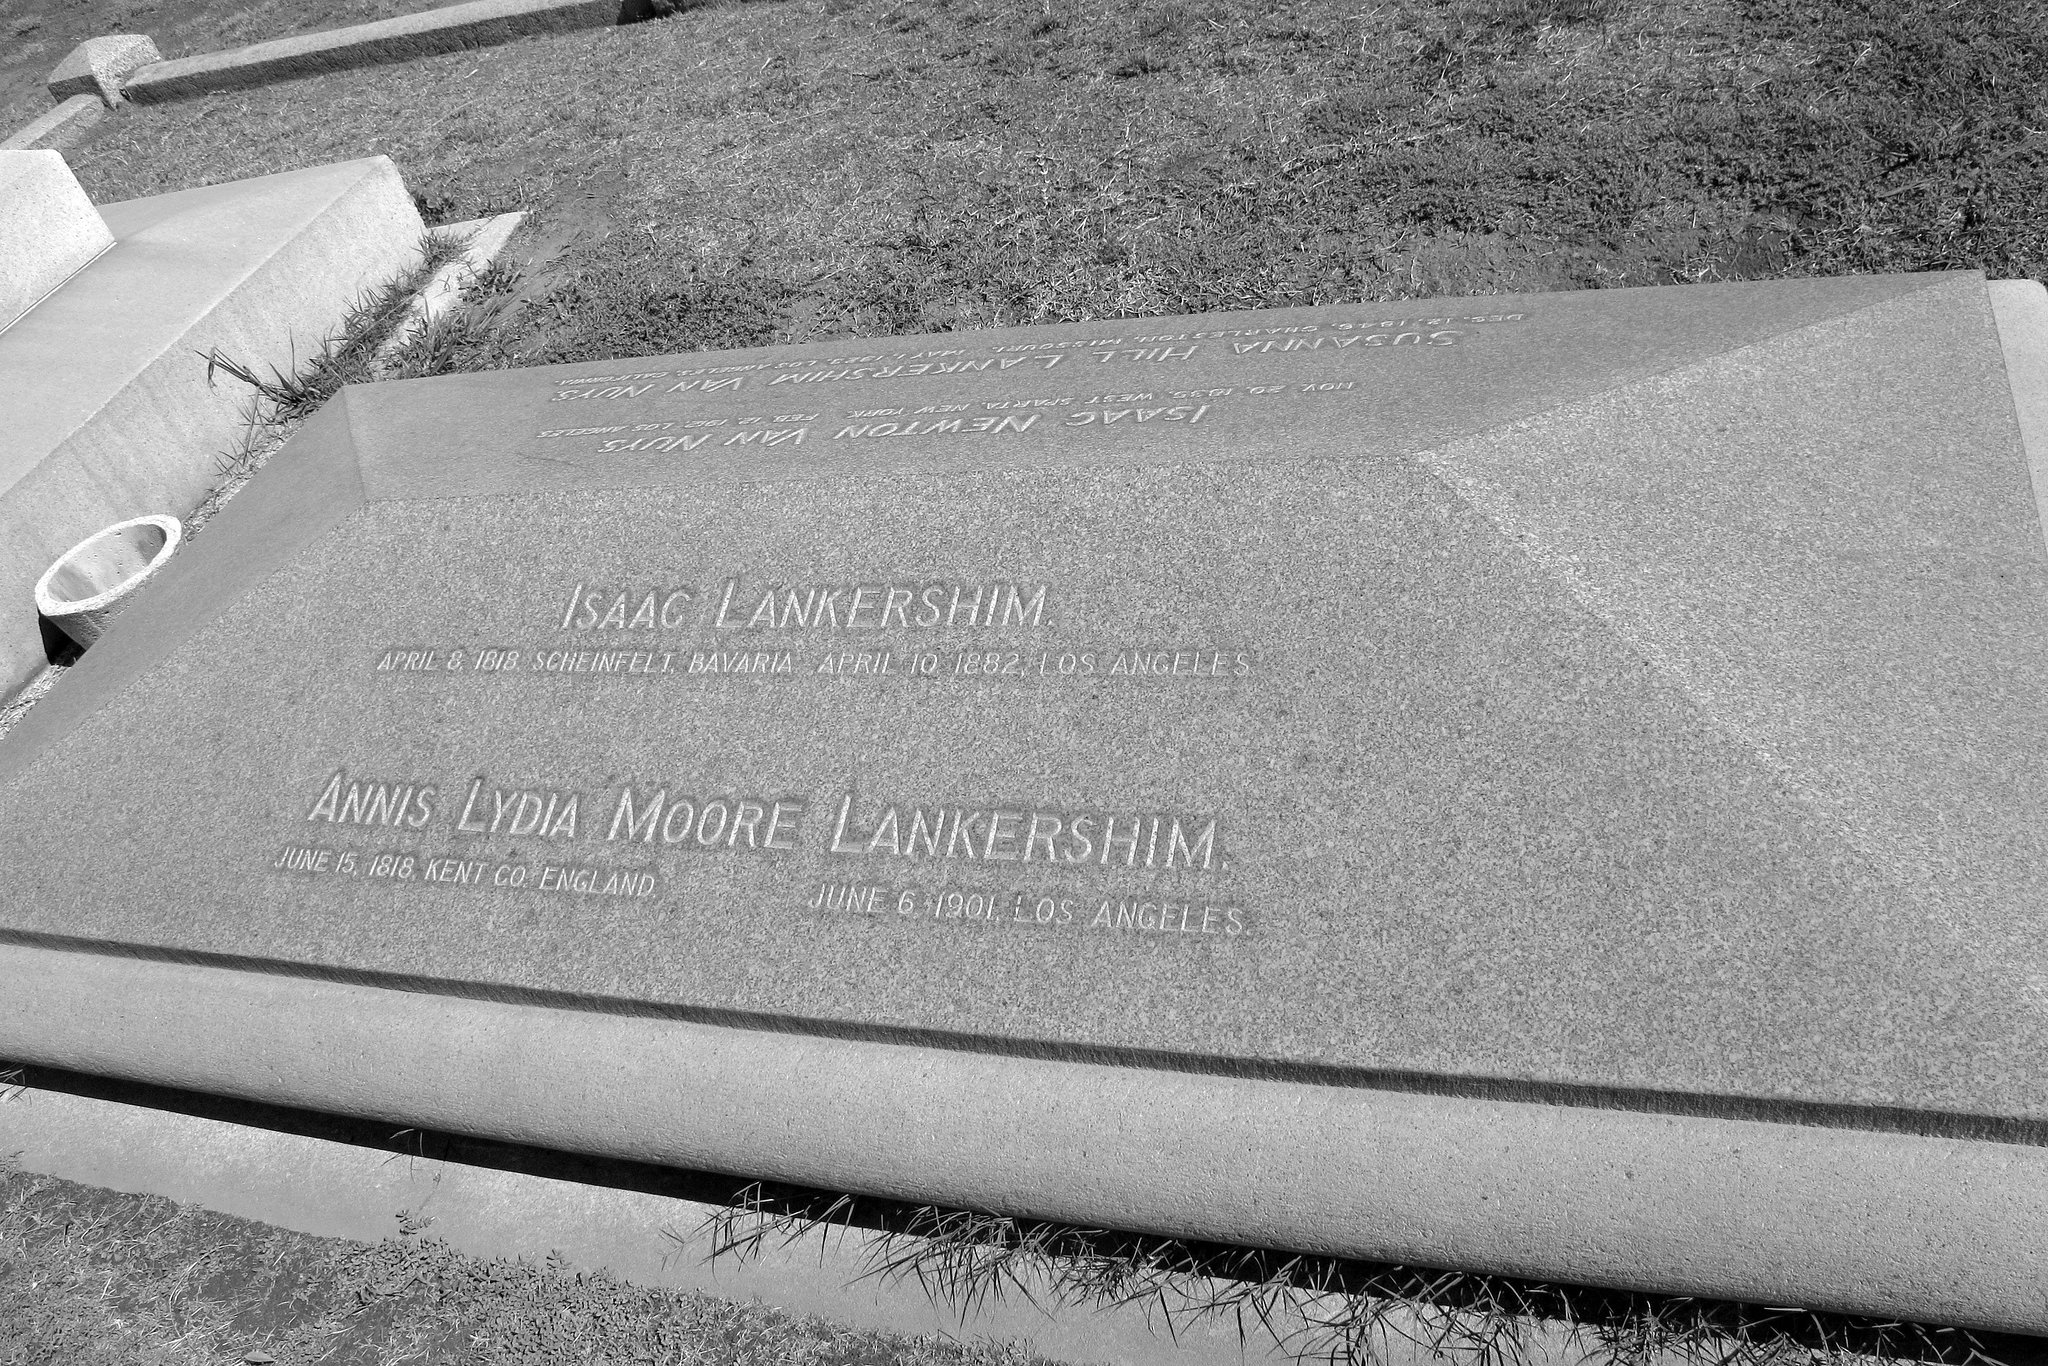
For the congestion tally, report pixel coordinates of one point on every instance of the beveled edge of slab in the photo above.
(478, 23)
(2020, 308)
(1938, 1230)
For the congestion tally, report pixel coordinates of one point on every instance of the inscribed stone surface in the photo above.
(1634, 692)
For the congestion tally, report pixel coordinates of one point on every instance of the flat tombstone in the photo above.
(1617, 708)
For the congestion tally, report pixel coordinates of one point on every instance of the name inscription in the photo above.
(740, 606)
(681, 821)
(676, 817)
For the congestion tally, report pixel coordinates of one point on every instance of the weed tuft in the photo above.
(1324, 1309)
(284, 398)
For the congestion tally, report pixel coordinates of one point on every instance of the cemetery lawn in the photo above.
(795, 170)
(95, 1278)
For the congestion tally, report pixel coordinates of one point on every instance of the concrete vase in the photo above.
(89, 582)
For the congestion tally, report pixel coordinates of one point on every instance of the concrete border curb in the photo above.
(479, 23)
(483, 239)
(60, 127)
(1899, 1226)
(2020, 308)
(97, 66)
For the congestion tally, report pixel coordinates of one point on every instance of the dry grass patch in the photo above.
(96, 1278)
(747, 174)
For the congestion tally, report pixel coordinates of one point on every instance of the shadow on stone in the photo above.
(58, 648)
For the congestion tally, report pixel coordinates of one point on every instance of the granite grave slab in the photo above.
(1547, 784)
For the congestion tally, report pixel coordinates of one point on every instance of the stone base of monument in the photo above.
(104, 392)
(1739, 1209)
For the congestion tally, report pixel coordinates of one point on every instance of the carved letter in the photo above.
(839, 845)
(636, 826)
(325, 808)
(563, 826)
(775, 817)
(462, 822)
(725, 605)
(1177, 845)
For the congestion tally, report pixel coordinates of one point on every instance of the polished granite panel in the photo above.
(1629, 692)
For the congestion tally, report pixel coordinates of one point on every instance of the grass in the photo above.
(769, 173)
(350, 355)
(91, 1276)
(97, 1278)
(1325, 1309)
(374, 340)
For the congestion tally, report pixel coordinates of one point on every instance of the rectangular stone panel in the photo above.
(1608, 698)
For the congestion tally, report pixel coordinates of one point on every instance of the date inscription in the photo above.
(1035, 908)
